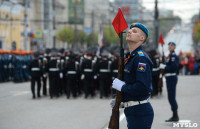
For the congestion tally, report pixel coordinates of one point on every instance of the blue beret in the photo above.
(142, 27)
(173, 43)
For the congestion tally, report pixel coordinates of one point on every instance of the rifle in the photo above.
(114, 119)
(160, 82)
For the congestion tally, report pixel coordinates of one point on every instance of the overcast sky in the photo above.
(183, 8)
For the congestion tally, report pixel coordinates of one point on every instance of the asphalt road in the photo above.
(19, 111)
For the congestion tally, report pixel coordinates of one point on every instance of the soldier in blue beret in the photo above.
(137, 84)
(171, 69)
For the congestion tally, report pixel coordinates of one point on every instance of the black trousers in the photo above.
(79, 86)
(155, 80)
(44, 80)
(61, 87)
(71, 87)
(104, 87)
(33, 80)
(88, 87)
(53, 89)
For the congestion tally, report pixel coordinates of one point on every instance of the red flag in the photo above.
(161, 41)
(119, 23)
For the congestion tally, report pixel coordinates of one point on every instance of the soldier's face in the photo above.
(171, 47)
(134, 35)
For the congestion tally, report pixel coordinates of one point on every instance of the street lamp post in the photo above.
(26, 44)
(156, 24)
(11, 24)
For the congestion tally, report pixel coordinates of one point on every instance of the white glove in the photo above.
(82, 76)
(44, 75)
(61, 75)
(117, 84)
(162, 66)
(95, 76)
(113, 101)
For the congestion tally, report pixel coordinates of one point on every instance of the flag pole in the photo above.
(160, 82)
(119, 24)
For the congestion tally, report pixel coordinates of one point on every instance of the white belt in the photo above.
(71, 72)
(115, 71)
(103, 70)
(133, 103)
(24, 66)
(35, 69)
(10, 66)
(5, 66)
(156, 69)
(87, 70)
(170, 74)
(53, 69)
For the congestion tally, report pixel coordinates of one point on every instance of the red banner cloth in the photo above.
(119, 23)
(161, 41)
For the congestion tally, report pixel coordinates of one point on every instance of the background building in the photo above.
(12, 26)
(96, 14)
(50, 16)
(46, 17)
(34, 24)
(131, 9)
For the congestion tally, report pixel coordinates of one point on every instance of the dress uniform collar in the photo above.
(133, 53)
(173, 52)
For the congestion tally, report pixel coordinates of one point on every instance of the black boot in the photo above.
(38, 95)
(33, 97)
(174, 118)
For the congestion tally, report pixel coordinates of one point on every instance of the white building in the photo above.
(130, 8)
(49, 16)
(96, 14)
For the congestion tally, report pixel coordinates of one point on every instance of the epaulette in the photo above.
(140, 53)
(173, 53)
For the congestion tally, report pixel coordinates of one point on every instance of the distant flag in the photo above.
(100, 37)
(119, 23)
(32, 35)
(38, 34)
(161, 41)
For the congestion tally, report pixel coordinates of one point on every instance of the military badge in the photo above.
(173, 58)
(140, 53)
(141, 67)
(126, 70)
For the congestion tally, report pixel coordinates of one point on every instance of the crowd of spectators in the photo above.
(189, 63)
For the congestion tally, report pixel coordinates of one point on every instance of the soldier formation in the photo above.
(73, 73)
(69, 73)
(14, 65)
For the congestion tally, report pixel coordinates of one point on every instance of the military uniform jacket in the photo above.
(53, 68)
(43, 61)
(137, 76)
(87, 69)
(62, 64)
(103, 69)
(172, 63)
(35, 69)
(156, 64)
(114, 68)
(72, 69)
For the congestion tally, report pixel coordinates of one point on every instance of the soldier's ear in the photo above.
(142, 37)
